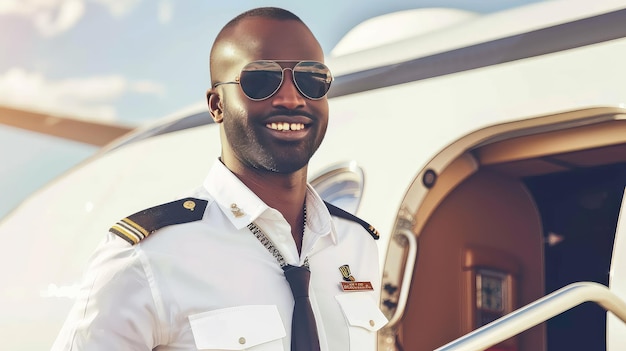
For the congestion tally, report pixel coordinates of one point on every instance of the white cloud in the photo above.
(67, 16)
(26, 7)
(52, 17)
(90, 97)
(165, 11)
(119, 8)
(148, 87)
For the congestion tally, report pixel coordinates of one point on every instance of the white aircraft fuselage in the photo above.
(489, 154)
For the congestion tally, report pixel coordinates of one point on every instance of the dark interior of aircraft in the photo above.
(579, 212)
(510, 222)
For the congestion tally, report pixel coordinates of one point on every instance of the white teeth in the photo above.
(285, 126)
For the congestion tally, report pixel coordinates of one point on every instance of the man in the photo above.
(214, 271)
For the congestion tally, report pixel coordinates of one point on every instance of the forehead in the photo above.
(259, 38)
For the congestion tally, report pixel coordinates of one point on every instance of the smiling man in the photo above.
(253, 259)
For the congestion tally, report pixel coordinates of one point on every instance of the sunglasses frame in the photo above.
(329, 78)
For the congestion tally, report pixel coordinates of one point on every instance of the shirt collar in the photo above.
(242, 206)
(235, 199)
(319, 220)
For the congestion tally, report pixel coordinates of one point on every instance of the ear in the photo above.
(215, 105)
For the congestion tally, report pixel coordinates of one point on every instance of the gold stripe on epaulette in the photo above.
(136, 226)
(374, 231)
(128, 231)
(121, 230)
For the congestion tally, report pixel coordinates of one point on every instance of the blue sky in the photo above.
(130, 62)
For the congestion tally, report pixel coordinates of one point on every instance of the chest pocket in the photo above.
(252, 327)
(363, 317)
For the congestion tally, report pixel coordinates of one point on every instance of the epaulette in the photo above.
(338, 212)
(138, 226)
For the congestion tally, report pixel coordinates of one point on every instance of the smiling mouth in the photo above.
(285, 126)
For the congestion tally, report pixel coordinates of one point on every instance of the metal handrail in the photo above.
(407, 276)
(537, 312)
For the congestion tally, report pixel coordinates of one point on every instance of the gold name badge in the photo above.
(356, 286)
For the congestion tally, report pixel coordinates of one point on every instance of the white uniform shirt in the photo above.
(211, 285)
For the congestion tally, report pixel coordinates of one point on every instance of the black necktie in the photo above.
(303, 329)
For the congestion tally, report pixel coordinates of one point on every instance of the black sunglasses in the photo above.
(260, 80)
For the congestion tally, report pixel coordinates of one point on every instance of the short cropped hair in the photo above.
(265, 12)
(275, 13)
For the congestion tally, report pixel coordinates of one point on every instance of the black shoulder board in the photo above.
(137, 227)
(338, 212)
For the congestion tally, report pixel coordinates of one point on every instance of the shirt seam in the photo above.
(157, 300)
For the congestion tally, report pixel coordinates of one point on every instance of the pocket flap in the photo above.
(361, 310)
(237, 328)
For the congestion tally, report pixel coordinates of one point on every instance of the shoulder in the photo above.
(338, 212)
(140, 225)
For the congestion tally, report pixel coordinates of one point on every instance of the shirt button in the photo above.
(372, 323)
(242, 340)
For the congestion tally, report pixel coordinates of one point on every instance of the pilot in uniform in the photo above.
(191, 274)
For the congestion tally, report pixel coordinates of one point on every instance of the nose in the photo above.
(288, 95)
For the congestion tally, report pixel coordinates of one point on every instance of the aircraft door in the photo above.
(506, 222)
(616, 329)
(477, 256)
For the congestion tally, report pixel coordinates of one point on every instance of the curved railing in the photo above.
(406, 276)
(537, 312)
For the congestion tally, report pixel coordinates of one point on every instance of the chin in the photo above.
(288, 166)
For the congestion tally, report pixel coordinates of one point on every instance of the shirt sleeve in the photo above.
(116, 308)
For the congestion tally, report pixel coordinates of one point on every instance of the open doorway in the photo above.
(579, 212)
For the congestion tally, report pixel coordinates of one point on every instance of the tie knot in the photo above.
(298, 278)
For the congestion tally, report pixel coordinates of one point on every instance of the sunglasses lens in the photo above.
(312, 78)
(260, 79)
